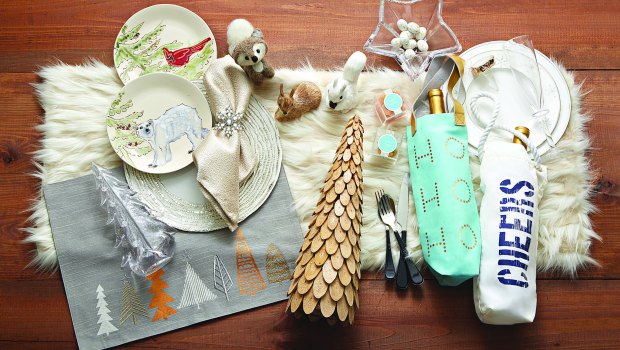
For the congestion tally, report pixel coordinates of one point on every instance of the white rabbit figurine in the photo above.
(342, 92)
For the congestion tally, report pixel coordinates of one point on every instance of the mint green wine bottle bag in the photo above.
(441, 182)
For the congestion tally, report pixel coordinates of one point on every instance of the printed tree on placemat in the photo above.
(194, 289)
(221, 277)
(276, 265)
(131, 304)
(326, 278)
(160, 298)
(104, 319)
(248, 275)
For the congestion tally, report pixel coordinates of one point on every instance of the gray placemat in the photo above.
(88, 261)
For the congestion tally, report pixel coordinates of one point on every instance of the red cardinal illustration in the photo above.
(180, 57)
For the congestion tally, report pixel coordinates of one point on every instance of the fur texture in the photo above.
(248, 48)
(175, 123)
(75, 100)
(237, 31)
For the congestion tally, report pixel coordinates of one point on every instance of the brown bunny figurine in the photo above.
(302, 99)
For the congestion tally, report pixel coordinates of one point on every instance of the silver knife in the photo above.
(406, 269)
(402, 211)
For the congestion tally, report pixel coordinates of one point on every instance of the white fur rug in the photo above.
(76, 98)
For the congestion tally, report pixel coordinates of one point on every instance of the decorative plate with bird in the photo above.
(164, 38)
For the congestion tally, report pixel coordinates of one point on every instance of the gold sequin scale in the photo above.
(327, 273)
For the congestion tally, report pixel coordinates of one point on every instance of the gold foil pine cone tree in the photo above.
(327, 274)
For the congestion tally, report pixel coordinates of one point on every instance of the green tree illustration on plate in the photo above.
(125, 141)
(194, 69)
(143, 52)
(146, 54)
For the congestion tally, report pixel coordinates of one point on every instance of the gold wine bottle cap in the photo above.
(525, 131)
(435, 99)
(435, 92)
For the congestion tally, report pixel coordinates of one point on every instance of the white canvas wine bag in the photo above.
(505, 290)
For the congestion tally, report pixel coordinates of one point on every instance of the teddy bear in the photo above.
(248, 48)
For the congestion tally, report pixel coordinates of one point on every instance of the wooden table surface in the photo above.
(583, 35)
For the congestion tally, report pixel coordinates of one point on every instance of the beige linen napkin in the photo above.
(225, 158)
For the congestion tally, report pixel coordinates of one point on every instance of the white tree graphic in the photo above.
(194, 290)
(104, 319)
(221, 277)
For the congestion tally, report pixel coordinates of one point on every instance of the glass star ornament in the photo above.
(228, 121)
(440, 38)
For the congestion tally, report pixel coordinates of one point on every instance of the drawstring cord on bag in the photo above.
(473, 105)
(492, 125)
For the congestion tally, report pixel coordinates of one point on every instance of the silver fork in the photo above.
(390, 272)
(386, 212)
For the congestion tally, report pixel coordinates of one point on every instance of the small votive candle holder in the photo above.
(387, 143)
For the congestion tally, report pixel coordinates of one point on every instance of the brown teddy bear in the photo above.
(248, 48)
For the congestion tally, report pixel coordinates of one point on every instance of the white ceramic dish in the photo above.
(176, 199)
(157, 121)
(164, 38)
(555, 90)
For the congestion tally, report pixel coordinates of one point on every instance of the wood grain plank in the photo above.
(599, 87)
(570, 315)
(36, 310)
(19, 114)
(325, 32)
(601, 90)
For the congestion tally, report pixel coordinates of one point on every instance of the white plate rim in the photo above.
(558, 78)
(179, 213)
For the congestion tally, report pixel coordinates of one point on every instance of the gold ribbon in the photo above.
(457, 73)
(457, 66)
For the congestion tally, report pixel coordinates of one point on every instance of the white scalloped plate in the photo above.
(176, 199)
(556, 95)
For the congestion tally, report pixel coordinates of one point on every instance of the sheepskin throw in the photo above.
(76, 98)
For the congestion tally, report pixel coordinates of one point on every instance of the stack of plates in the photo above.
(555, 91)
(161, 115)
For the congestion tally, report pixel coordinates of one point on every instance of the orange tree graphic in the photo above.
(248, 275)
(160, 298)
